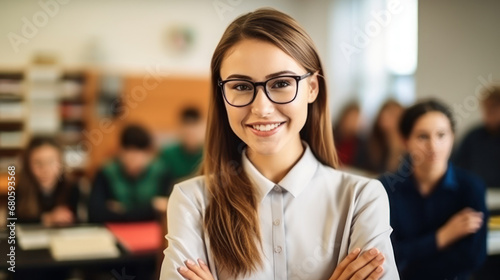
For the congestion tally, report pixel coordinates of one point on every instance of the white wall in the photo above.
(459, 47)
(130, 34)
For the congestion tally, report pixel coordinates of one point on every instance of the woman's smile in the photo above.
(265, 129)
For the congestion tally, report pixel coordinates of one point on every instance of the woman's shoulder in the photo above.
(349, 182)
(192, 190)
(192, 185)
(345, 176)
(467, 179)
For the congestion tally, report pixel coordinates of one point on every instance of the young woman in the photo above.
(385, 147)
(44, 194)
(270, 204)
(437, 210)
(347, 133)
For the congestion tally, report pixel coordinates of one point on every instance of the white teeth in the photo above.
(267, 127)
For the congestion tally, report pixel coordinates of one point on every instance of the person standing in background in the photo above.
(479, 151)
(438, 211)
(183, 158)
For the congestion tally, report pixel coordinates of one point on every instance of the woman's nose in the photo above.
(262, 106)
(433, 144)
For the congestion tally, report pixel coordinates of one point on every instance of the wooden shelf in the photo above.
(11, 125)
(76, 104)
(7, 97)
(10, 151)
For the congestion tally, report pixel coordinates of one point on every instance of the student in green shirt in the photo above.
(182, 158)
(132, 186)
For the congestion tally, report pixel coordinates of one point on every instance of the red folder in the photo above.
(137, 237)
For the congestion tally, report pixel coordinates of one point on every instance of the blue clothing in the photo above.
(479, 152)
(416, 219)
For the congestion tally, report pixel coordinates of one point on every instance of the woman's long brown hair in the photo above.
(231, 218)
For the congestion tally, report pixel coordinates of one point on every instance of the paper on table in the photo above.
(493, 242)
(33, 239)
(493, 199)
(83, 243)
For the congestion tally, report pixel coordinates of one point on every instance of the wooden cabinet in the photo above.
(45, 100)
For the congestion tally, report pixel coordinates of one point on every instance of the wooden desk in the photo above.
(29, 261)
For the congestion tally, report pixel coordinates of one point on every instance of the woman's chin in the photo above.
(264, 149)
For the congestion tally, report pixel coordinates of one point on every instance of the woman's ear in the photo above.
(313, 88)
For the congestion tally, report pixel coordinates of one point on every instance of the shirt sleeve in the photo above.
(469, 253)
(185, 235)
(371, 227)
(414, 249)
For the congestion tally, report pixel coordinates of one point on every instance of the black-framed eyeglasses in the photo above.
(280, 90)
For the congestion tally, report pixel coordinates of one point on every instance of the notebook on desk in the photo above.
(32, 237)
(72, 243)
(137, 237)
(83, 243)
(493, 198)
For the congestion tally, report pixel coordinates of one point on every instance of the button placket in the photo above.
(279, 256)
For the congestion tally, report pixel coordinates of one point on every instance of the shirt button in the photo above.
(276, 222)
(277, 250)
(277, 188)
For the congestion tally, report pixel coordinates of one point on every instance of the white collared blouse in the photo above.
(309, 222)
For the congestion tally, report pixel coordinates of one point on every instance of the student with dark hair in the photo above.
(183, 158)
(479, 151)
(45, 194)
(438, 211)
(131, 186)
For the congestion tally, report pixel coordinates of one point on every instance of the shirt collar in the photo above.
(447, 182)
(294, 181)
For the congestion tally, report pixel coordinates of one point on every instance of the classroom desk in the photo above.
(493, 204)
(491, 268)
(493, 200)
(41, 259)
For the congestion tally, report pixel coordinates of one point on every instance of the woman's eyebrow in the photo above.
(284, 72)
(276, 74)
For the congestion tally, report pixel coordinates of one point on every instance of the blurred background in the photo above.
(81, 72)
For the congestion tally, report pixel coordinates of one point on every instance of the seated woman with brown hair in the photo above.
(45, 194)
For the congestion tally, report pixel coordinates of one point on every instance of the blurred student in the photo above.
(479, 151)
(438, 211)
(384, 147)
(132, 186)
(347, 134)
(183, 158)
(45, 194)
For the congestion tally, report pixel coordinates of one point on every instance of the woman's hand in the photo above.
(463, 223)
(368, 266)
(61, 215)
(160, 204)
(194, 272)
